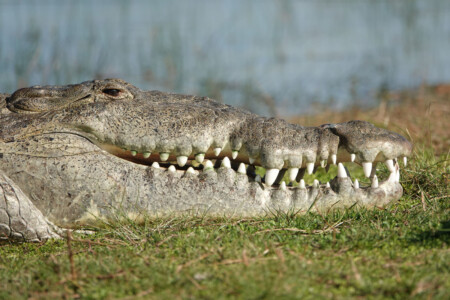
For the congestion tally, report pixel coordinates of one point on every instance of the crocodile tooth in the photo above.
(356, 184)
(390, 165)
(334, 158)
(155, 165)
(200, 157)
(163, 156)
(310, 167)
(146, 154)
(367, 168)
(182, 160)
(328, 185)
(316, 183)
(271, 176)
(405, 161)
(374, 182)
(251, 160)
(341, 171)
(241, 169)
(258, 178)
(283, 186)
(393, 176)
(374, 169)
(217, 151)
(397, 175)
(302, 184)
(352, 157)
(208, 165)
(323, 163)
(293, 173)
(190, 170)
(172, 169)
(226, 163)
(133, 152)
(234, 154)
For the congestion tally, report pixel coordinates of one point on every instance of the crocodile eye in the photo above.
(112, 92)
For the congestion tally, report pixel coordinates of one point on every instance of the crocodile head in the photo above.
(173, 153)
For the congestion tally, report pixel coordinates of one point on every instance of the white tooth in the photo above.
(172, 168)
(251, 160)
(242, 169)
(163, 156)
(352, 157)
(258, 178)
(397, 175)
(226, 163)
(200, 157)
(405, 161)
(393, 176)
(390, 165)
(341, 171)
(323, 163)
(271, 176)
(208, 165)
(374, 182)
(356, 184)
(217, 151)
(316, 183)
(367, 168)
(310, 167)
(182, 160)
(333, 158)
(155, 165)
(302, 184)
(328, 185)
(283, 186)
(293, 174)
(146, 154)
(234, 154)
(133, 152)
(190, 170)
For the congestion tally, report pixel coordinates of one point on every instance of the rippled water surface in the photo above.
(273, 57)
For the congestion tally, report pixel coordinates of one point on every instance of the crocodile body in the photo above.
(99, 150)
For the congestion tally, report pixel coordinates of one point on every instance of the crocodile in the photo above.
(76, 155)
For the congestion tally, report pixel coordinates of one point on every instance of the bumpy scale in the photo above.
(73, 155)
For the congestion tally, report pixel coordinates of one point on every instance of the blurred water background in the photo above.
(273, 57)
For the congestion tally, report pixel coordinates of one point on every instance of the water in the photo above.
(272, 57)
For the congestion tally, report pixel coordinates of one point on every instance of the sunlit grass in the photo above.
(397, 252)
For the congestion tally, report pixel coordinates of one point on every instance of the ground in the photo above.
(398, 252)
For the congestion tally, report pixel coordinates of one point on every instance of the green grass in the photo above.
(400, 252)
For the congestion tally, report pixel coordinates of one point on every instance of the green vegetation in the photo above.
(398, 252)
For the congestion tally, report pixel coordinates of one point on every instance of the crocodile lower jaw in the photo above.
(226, 172)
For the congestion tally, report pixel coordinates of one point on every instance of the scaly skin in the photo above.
(75, 154)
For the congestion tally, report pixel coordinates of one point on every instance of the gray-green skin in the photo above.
(73, 155)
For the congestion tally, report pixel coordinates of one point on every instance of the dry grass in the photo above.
(422, 115)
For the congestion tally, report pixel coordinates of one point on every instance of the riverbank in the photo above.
(397, 252)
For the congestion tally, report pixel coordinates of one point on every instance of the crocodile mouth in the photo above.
(285, 178)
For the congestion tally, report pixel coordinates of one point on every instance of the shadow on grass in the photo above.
(440, 234)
